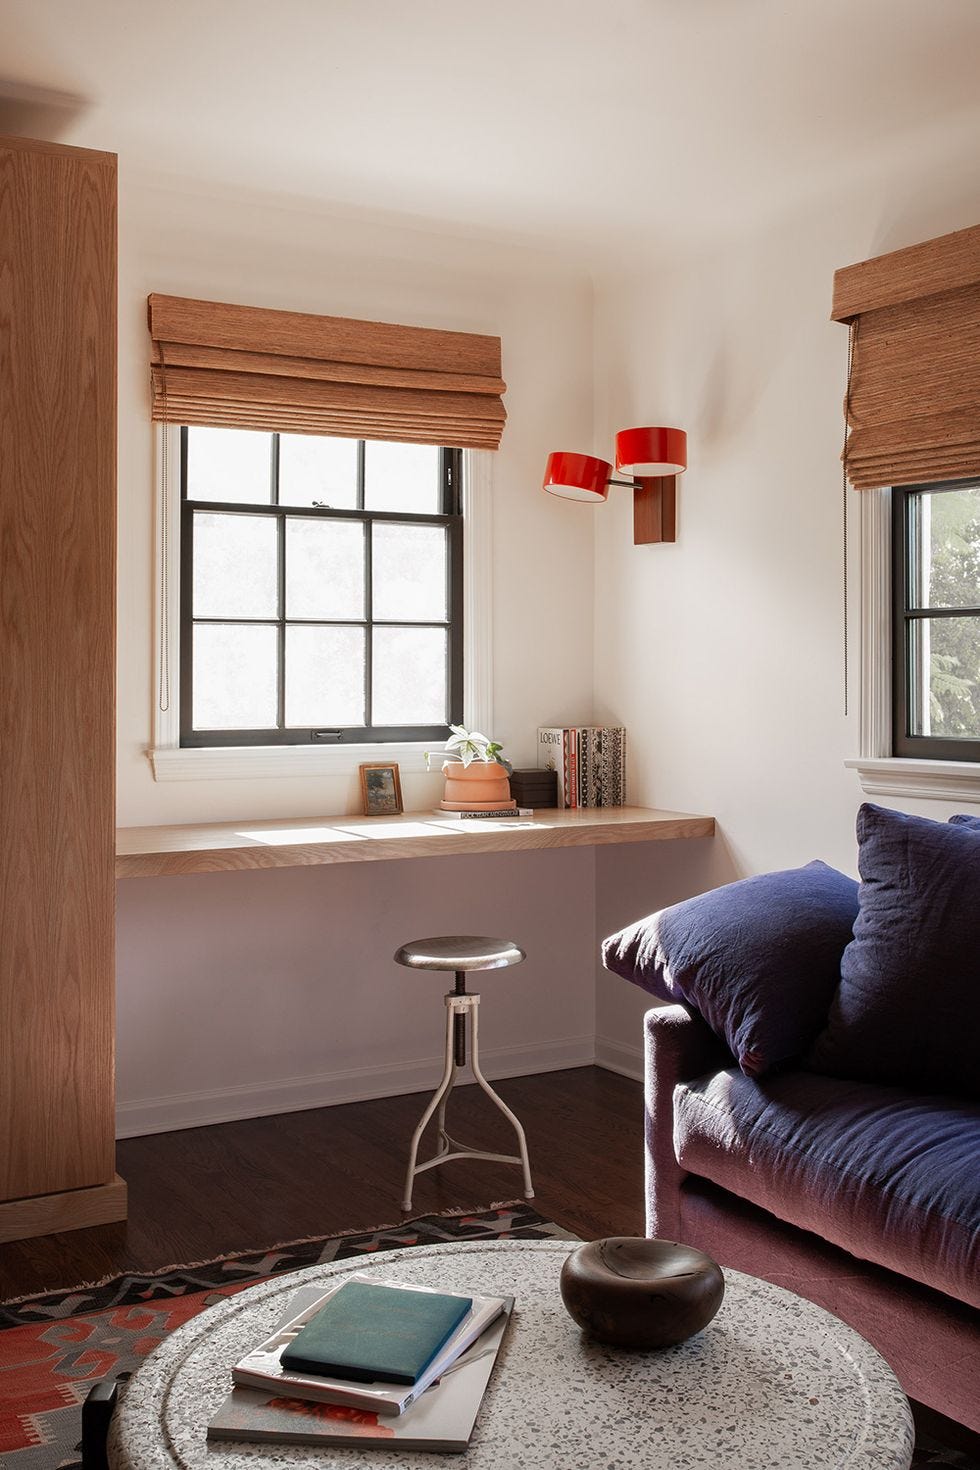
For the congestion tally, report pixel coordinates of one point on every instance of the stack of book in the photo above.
(590, 761)
(367, 1362)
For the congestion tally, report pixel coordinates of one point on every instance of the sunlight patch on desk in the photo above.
(484, 824)
(296, 835)
(384, 829)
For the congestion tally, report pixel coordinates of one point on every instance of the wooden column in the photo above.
(57, 678)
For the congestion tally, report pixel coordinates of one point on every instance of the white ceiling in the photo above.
(582, 126)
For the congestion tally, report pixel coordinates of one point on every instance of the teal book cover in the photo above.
(368, 1332)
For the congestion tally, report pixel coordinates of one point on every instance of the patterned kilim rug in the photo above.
(54, 1347)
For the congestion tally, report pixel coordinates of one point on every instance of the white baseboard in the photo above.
(615, 1057)
(355, 1084)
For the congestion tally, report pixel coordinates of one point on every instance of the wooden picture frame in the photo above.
(381, 789)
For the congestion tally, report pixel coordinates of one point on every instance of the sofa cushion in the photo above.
(890, 1177)
(907, 1011)
(759, 959)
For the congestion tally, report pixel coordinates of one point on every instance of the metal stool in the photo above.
(460, 953)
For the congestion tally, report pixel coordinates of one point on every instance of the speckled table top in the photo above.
(773, 1383)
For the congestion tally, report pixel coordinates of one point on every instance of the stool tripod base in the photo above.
(458, 1006)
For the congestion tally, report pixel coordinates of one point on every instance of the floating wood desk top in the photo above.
(149, 852)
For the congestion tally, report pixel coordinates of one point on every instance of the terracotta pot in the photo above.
(480, 786)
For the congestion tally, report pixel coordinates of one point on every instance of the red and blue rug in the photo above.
(54, 1347)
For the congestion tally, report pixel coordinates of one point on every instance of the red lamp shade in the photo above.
(649, 452)
(577, 477)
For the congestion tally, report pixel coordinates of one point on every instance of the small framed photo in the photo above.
(381, 790)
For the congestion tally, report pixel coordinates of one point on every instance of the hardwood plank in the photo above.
(143, 852)
(57, 658)
(205, 1192)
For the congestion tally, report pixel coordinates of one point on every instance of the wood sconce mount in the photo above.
(655, 510)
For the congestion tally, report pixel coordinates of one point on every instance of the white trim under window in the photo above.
(170, 762)
(881, 773)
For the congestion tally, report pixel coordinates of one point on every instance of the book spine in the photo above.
(612, 782)
(552, 755)
(506, 811)
(573, 766)
(587, 768)
(301, 1387)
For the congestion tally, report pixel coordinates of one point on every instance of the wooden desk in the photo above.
(150, 852)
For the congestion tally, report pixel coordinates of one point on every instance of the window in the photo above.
(936, 620)
(321, 589)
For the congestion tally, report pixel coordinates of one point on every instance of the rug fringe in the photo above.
(280, 1245)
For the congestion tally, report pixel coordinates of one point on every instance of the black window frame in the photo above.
(450, 517)
(905, 614)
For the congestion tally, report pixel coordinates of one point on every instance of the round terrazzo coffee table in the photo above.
(773, 1383)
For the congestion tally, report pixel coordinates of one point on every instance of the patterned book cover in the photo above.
(589, 781)
(611, 780)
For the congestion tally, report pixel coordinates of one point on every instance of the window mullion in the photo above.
(281, 553)
(369, 623)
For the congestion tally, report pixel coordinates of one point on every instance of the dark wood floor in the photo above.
(206, 1192)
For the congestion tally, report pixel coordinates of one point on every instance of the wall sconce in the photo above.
(654, 458)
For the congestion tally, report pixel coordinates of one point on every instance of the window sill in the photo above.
(257, 762)
(926, 780)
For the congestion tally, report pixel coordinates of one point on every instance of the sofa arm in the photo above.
(679, 1046)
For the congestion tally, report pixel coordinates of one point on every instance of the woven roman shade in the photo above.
(248, 367)
(913, 398)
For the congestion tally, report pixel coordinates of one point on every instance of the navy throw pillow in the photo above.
(759, 959)
(907, 1011)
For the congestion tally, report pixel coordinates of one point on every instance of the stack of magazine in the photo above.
(368, 1363)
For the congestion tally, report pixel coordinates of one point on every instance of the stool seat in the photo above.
(459, 952)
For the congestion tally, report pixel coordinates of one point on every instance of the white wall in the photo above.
(242, 994)
(722, 653)
(259, 992)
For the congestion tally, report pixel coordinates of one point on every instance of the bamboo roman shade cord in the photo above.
(248, 367)
(913, 394)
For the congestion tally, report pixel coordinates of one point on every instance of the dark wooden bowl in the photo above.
(641, 1293)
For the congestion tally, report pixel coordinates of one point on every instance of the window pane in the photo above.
(409, 572)
(946, 537)
(409, 670)
(317, 470)
(324, 568)
(946, 678)
(235, 676)
(324, 676)
(402, 477)
(235, 566)
(229, 464)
